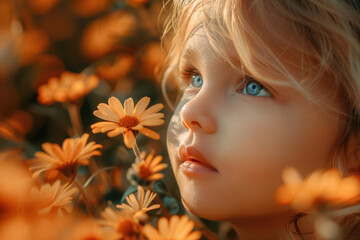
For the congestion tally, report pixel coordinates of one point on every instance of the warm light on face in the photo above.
(245, 129)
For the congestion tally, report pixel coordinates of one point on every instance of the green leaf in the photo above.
(172, 205)
(129, 190)
(160, 188)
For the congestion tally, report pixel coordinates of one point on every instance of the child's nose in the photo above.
(196, 115)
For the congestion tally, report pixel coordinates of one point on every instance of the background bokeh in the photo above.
(39, 39)
(117, 40)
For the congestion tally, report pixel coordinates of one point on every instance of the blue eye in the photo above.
(196, 81)
(253, 88)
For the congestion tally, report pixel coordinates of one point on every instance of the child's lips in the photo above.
(192, 161)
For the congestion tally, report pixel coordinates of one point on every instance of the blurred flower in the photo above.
(14, 155)
(121, 66)
(326, 228)
(74, 152)
(69, 88)
(152, 59)
(11, 30)
(15, 227)
(177, 228)
(16, 126)
(319, 189)
(8, 14)
(102, 35)
(88, 8)
(151, 17)
(22, 228)
(148, 169)
(118, 225)
(33, 43)
(41, 6)
(52, 175)
(128, 120)
(139, 205)
(52, 200)
(86, 229)
(34, 227)
(15, 184)
(136, 3)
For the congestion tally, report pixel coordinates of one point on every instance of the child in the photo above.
(265, 85)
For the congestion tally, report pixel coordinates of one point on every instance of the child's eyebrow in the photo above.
(189, 54)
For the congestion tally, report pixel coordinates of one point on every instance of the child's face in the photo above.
(231, 136)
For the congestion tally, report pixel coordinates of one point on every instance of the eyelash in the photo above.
(188, 71)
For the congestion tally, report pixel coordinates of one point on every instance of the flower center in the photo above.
(68, 169)
(126, 226)
(144, 171)
(128, 122)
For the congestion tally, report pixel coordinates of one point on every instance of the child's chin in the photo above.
(202, 211)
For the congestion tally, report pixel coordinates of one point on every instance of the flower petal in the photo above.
(152, 116)
(152, 122)
(116, 106)
(102, 115)
(163, 226)
(129, 106)
(156, 176)
(141, 105)
(153, 109)
(150, 133)
(115, 132)
(151, 232)
(129, 139)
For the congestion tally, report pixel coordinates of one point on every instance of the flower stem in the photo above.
(158, 200)
(141, 234)
(74, 113)
(86, 201)
(96, 173)
(136, 151)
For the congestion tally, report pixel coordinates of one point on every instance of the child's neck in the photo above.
(270, 227)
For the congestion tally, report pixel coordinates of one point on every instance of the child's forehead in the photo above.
(198, 46)
(231, 46)
(254, 32)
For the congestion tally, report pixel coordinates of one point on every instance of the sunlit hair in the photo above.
(321, 36)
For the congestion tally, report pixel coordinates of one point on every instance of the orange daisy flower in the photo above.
(15, 183)
(128, 119)
(86, 229)
(318, 189)
(148, 169)
(118, 225)
(16, 126)
(74, 152)
(102, 35)
(53, 200)
(69, 88)
(88, 8)
(42, 6)
(177, 228)
(139, 205)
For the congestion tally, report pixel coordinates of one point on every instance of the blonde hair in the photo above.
(324, 35)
